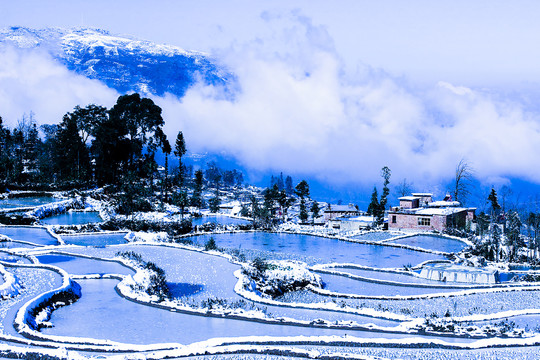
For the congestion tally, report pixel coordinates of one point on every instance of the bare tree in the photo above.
(462, 181)
(404, 188)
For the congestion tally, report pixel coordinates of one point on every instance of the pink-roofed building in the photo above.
(419, 212)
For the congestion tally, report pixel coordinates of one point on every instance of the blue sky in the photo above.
(332, 90)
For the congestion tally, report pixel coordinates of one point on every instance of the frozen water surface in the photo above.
(94, 239)
(325, 249)
(374, 236)
(431, 242)
(35, 235)
(73, 218)
(121, 320)
(345, 285)
(83, 266)
(388, 276)
(11, 203)
(12, 258)
(101, 313)
(218, 219)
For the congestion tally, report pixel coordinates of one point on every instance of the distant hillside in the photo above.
(121, 62)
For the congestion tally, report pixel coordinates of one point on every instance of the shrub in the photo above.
(210, 244)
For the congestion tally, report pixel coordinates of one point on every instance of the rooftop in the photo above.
(440, 211)
(408, 198)
(443, 203)
(340, 208)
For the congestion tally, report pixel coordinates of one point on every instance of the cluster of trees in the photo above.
(377, 206)
(217, 176)
(89, 144)
(276, 202)
(21, 151)
(282, 185)
(498, 223)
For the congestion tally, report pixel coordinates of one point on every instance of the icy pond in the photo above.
(320, 249)
(432, 242)
(73, 218)
(17, 202)
(83, 266)
(218, 219)
(121, 320)
(95, 239)
(34, 235)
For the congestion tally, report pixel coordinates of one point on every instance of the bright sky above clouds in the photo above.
(339, 88)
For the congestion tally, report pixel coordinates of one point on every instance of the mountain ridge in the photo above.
(123, 62)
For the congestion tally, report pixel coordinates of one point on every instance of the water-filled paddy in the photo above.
(431, 242)
(83, 266)
(73, 218)
(11, 203)
(118, 319)
(388, 276)
(375, 236)
(12, 258)
(94, 239)
(35, 235)
(218, 219)
(345, 285)
(321, 250)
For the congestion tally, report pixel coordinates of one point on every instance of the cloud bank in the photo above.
(31, 80)
(301, 110)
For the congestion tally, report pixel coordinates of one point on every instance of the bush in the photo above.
(210, 244)
(158, 282)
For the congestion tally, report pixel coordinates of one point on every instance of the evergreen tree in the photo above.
(271, 195)
(181, 200)
(315, 210)
(303, 211)
(215, 202)
(213, 173)
(385, 173)
(166, 147)
(196, 199)
(289, 185)
(72, 155)
(302, 189)
(495, 207)
(373, 208)
(280, 182)
(514, 240)
(180, 150)
(496, 241)
(6, 163)
(140, 121)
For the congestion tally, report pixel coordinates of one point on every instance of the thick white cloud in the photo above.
(32, 81)
(300, 112)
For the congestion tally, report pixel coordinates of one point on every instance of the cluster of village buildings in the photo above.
(415, 212)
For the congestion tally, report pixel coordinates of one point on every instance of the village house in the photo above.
(420, 212)
(351, 223)
(333, 211)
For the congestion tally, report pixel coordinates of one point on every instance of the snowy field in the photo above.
(83, 295)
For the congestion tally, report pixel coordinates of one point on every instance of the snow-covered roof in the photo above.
(340, 208)
(359, 219)
(409, 198)
(440, 211)
(443, 203)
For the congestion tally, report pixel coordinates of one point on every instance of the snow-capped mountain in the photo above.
(122, 62)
